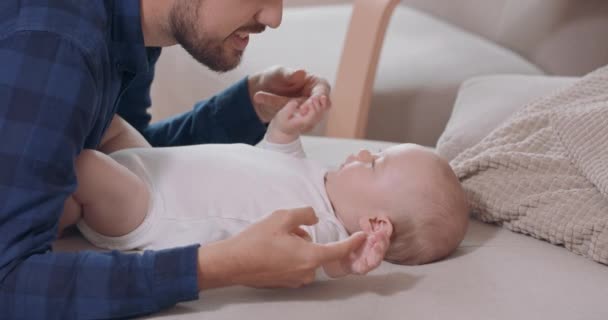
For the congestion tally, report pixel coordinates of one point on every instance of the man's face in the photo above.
(216, 32)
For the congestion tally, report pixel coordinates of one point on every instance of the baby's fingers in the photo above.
(311, 119)
(375, 257)
(361, 267)
(289, 110)
(305, 109)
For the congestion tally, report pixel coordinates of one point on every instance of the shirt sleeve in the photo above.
(48, 103)
(321, 275)
(293, 148)
(228, 117)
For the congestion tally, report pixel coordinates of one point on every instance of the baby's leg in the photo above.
(114, 200)
(72, 211)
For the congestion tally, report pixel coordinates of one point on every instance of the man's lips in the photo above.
(240, 41)
(246, 31)
(240, 38)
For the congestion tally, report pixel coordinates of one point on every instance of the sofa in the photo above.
(475, 63)
(397, 62)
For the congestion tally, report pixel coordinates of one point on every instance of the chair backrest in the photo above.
(355, 80)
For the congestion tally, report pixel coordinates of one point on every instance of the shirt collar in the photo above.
(127, 37)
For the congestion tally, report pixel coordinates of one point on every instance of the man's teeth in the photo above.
(242, 35)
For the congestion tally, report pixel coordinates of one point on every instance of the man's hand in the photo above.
(275, 252)
(272, 89)
(295, 119)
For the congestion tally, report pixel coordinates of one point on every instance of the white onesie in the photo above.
(206, 193)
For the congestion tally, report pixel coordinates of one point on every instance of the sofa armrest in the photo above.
(357, 70)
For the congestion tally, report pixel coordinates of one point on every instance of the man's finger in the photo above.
(302, 234)
(298, 217)
(296, 77)
(338, 250)
(268, 99)
(325, 102)
(321, 88)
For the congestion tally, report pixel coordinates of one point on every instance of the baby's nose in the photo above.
(365, 155)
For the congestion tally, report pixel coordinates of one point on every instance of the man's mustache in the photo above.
(257, 28)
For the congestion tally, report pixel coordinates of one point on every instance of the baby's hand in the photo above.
(297, 117)
(367, 258)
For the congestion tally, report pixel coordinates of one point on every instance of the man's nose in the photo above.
(271, 14)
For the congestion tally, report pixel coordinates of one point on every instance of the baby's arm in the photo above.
(121, 135)
(293, 148)
(296, 118)
(290, 122)
(111, 199)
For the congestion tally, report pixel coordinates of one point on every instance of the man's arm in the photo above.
(228, 117)
(47, 102)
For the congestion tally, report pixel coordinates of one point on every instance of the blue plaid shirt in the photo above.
(66, 66)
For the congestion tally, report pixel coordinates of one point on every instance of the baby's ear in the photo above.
(379, 225)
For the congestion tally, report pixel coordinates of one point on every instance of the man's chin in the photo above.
(223, 65)
(218, 61)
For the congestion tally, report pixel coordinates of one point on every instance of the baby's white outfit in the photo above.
(205, 193)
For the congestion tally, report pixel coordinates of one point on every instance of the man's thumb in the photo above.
(267, 99)
(340, 249)
(297, 76)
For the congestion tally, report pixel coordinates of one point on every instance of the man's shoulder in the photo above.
(85, 23)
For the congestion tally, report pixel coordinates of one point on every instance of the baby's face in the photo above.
(368, 184)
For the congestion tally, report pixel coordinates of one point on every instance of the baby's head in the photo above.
(407, 196)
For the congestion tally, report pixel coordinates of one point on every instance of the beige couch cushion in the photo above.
(485, 102)
(563, 37)
(421, 67)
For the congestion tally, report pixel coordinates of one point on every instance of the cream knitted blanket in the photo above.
(544, 172)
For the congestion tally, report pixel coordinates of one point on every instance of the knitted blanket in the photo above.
(544, 172)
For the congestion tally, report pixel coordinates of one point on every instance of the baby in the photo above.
(406, 198)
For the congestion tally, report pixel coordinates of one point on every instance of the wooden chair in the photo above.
(352, 93)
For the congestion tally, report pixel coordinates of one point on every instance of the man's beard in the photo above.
(184, 22)
(184, 19)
